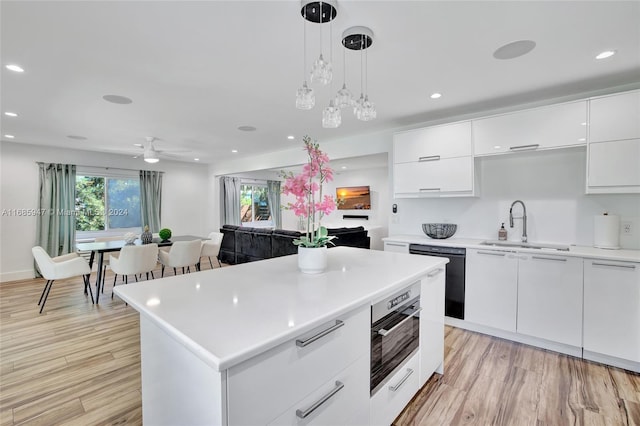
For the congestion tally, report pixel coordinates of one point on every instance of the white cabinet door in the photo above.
(396, 246)
(545, 127)
(550, 298)
(446, 141)
(431, 323)
(614, 167)
(434, 178)
(391, 399)
(615, 117)
(491, 288)
(612, 308)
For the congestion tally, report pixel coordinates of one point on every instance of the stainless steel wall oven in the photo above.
(395, 333)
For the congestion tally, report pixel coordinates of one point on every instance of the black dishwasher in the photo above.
(454, 290)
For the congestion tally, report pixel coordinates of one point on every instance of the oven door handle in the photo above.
(384, 332)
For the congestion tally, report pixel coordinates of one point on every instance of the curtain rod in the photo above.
(106, 168)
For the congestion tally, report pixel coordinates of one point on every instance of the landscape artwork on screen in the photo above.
(354, 198)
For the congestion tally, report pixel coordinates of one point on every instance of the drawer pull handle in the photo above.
(492, 253)
(305, 413)
(396, 244)
(384, 332)
(524, 147)
(401, 382)
(429, 158)
(557, 259)
(429, 189)
(434, 273)
(303, 343)
(614, 266)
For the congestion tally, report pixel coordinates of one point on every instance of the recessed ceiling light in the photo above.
(234, 151)
(436, 95)
(117, 99)
(291, 137)
(77, 137)
(497, 147)
(606, 54)
(247, 128)
(582, 139)
(10, 114)
(583, 124)
(514, 49)
(196, 159)
(344, 167)
(9, 136)
(14, 67)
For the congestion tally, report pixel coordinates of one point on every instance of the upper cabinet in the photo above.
(613, 157)
(546, 127)
(446, 141)
(615, 117)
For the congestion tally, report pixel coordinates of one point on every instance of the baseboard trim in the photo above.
(611, 360)
(17, 275)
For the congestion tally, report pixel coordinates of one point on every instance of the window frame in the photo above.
(256, 223)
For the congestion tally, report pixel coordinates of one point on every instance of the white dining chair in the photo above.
(182, 254)
(134, 260)
(211, 247)
(59, 268)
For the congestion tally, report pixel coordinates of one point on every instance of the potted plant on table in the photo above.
(312, 205)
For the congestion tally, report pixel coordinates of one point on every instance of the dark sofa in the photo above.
(245, 244)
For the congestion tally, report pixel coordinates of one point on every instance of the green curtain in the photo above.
(273, 193)
(151, 199)
(56, 223)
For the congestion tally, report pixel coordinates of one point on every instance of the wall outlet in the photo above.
(627, 229)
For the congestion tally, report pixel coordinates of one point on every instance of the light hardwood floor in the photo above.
(79, 364)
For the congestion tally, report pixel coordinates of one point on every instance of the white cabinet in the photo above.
(434, 162)
(550, 297)
(612, 309)
(396, 246)
(452, 176)
(432, 324)
(491, 288)
(291, 374)
(389, 401)
(615, 117)
(613, 158)
(446, 141)
(552, 126)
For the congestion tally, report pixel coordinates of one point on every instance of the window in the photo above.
(106, 203)
(254, 205)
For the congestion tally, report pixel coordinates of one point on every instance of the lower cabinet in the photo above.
(550, 298)
(491, 288)
(612, 308)
(389, 401)
(432, 324)
(397, 247)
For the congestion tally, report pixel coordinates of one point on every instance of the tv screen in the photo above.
(353, 198)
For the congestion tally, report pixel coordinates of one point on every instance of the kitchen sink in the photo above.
(516, 244)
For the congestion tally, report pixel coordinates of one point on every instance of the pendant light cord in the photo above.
(304, 47)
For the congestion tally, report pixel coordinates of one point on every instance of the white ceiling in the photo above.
(196, 71)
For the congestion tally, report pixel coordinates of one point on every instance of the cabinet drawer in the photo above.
(272, 382)
(396, 246)
(433, 178)
(615, 164)
(546, 127)
(446, 141)
(343, 400)
(615, 117)
(387, 403)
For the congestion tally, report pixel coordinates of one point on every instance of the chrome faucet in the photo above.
(524, 219)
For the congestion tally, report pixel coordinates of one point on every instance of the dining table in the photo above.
(102, 247)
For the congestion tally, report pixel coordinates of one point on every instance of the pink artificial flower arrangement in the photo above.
(305, 187)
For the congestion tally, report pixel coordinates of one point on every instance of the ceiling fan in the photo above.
(151, 154)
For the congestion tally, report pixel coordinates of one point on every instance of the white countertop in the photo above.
(577, 251)
(227, 315)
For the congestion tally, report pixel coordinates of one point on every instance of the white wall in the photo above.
(184, 203)
(552, 186)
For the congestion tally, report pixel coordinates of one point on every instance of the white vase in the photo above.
(312, 260)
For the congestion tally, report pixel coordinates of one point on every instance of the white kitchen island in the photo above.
(262, 343)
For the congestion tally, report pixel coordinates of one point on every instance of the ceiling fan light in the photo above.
(151, 160)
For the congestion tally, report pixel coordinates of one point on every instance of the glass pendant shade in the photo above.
(344, 98)
(305, 98)
(331, 117)
(368, 111)
(357, 106)
(322, 71)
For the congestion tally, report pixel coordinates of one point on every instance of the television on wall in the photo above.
(353, 198)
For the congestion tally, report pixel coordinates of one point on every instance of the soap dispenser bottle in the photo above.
(502, 233)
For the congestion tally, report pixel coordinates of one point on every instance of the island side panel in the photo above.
(178, 387)
(432, 324)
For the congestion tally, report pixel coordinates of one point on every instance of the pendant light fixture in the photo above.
(305, 98)
(331, 115)
(344, 98)
(361, 38)
(320, 12)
